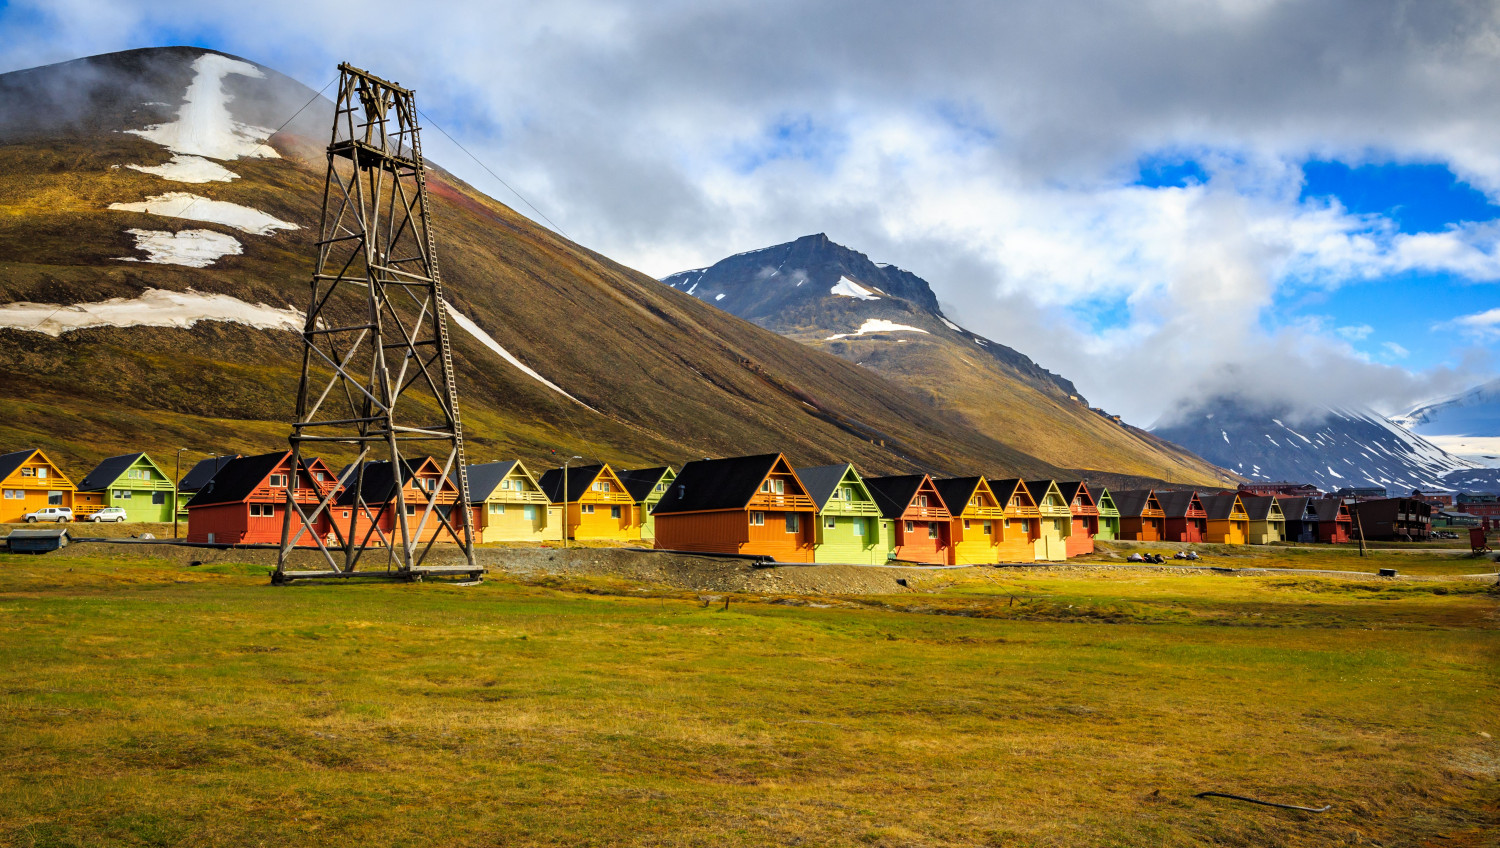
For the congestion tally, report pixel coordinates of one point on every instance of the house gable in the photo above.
(32, 469)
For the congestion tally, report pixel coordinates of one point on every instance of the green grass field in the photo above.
(152, 704)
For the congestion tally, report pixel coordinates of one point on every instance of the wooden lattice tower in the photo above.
(377, 370)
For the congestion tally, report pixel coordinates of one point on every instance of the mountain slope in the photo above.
(1341, 448)
(888, 320)
(1466, 424)
(102, 349)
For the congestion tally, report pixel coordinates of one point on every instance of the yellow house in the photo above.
(30, 481)
(1056, 522)
(509, 505)
(978, 520)
(598, 505)
(1228, 522)
(1021, 517)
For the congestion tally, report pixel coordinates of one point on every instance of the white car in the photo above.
(52, 513)
(109, 513)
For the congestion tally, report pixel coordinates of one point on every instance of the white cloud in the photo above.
(1395, 351)
(1356, 333)
(1484, 326)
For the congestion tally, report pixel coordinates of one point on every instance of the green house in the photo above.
(1109, 517)
(133, 483)
(850, 527)
(646, 486)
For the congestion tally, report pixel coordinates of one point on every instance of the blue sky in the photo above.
(1142, 197)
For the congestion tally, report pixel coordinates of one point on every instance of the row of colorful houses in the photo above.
(754, 505)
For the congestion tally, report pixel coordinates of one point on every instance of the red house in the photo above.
(1085, 517)
(245, 503)
(921, 521)
(1183, 517)
(1333, 519)
(374, 522)
(753, 505)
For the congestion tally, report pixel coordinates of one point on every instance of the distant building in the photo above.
(1394, 519)
(1363, 493)
(1439, 499)
(1282, 489)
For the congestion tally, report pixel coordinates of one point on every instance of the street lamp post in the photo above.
(176, 491)
(565, 501)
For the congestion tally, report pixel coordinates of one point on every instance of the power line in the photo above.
(522, 198)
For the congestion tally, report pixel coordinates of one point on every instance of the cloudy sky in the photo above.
(1153, 197)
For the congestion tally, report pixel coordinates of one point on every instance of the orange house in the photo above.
(31, 481)
(752, 505)
(598, 504)
(1021, 522)
(978, 520)
(370, 518)
(1141, 515)
(1085, 517)
(921, 521)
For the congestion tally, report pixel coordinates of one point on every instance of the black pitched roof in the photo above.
(1131, 502)
(1175, 504)
(1295, 509)
(580, 477)
(237, 479)
(641, 481)
(204, 471)
(1218, 507)
(709, 484)
(11, 461)
(108, 472)
(821, 481)
(957, 490)
(483, 478)
(1328, 508)
(1070, 489)
(1258, 507)
(893, 494)
(1005, 488)
(1038, 489)
(379, 483)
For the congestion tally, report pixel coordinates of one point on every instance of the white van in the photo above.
(60, 514)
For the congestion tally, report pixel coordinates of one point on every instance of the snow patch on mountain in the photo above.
(204, 126)
(952, 326)
(488, 341)
(191, 248)
(191, 207)
(876, 325)
(154, 308)
(848, 288)
(188, 169)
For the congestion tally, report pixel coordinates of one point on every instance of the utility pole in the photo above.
(565, 501)
(377, 366)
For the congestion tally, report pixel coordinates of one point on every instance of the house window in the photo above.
(322, 477)
(122, 494)
(28, 472)
(793, 523)
(780, 486)
(829, 522)
(911, 527)
(10, 494)
(278, 480)
(53, 498)
(765, 485)
(497, 509)
(614, 512)
(922, 501)
(411, 509)
(1007, 524)
(159, 498)
(41, 473)
(661, 487)
(989, 527)
(846, 494)
(974, 502)
(966, 523)
(601, 485)
(587, 509)
(529, 512)
(757, 519)
(859, 526)
(262, 510)
(931, 530)
(505, 484)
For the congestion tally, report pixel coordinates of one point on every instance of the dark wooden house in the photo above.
(1141, 518)
(1393, 519)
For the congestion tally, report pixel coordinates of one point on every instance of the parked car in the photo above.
(109, 513)
(51, 513)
